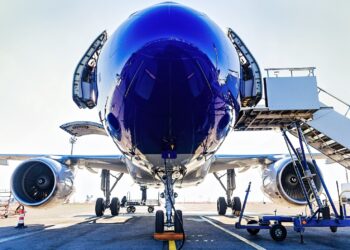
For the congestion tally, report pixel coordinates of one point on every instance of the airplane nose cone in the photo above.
(166, 74)
(169, 89)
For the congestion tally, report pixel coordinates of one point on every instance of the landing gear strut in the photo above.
(114, 204)
(169, 219)
(233, 203)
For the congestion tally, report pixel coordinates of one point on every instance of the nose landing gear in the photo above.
(171, 220)
(169, 225)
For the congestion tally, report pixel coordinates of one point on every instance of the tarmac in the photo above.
(74, 226)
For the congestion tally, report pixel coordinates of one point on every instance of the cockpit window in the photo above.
(193, 77)
(146, 81)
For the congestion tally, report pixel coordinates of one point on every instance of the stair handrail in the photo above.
(336, 98)
(276, 71)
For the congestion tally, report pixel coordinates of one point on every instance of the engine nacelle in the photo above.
(41, 181)
(280, 182)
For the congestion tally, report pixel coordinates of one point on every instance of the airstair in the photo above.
(296, 99)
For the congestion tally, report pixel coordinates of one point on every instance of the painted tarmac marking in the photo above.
(58, 226)
(256, 246)
(15, 237)
(172, 245)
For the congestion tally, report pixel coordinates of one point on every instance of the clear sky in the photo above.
(42, 41)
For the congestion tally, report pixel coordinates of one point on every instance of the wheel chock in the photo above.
(166, 236)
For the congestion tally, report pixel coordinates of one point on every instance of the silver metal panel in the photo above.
(292, 93)
(332, 124)
(81, 128)
(86, 88)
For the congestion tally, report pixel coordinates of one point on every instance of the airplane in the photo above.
(168, 86)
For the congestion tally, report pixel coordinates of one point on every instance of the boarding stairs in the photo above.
(296, 99)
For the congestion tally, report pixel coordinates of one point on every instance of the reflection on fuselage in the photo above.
(168, 75)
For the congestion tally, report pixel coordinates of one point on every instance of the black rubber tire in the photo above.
(221, 206)
(99, 207)
(178, 222)
(150, 209)
(115, 206)
(159, 221)
(334, 229)
(128, 209)
(236, 206)
(133, 209)
(278, 232)
(253, 231)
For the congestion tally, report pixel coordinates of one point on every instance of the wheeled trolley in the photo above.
(320, 215)
(5, 200)
(131, 204)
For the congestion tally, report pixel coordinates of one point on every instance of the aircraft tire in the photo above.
(221, 206)
(178, 221)
(159, 221)
(115, 206)
(99, 207)
(236, 206)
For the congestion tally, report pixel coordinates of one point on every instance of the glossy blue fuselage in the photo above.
(168, 79)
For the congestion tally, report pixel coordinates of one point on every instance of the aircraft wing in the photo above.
(111, 162)
(224, 162)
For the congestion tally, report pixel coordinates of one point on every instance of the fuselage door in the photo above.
(85, 91)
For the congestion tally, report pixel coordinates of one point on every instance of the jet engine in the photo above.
(280, 182)
(41, 181)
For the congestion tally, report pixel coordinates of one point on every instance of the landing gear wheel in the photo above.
(115, 206)
(278, 232)
(236, 206)
(150, 209)
(253, 231)
(159, 221)
(334, 229)
(99, 207)
(128, 210)
(221, 206)
(133, 209)
(178, 221)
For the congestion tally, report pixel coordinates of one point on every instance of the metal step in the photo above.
(335, 128)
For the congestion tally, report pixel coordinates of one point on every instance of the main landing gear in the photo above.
(233, 203)
(103, 204)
